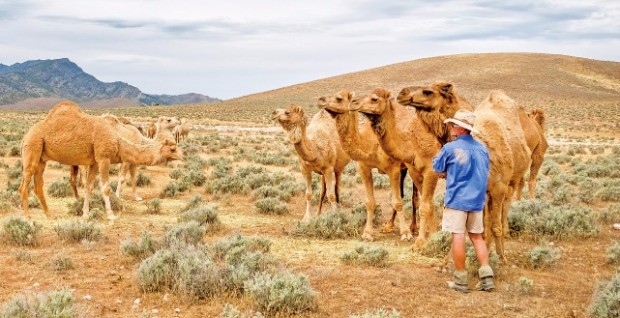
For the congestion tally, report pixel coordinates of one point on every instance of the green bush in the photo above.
(96, 203)
(613, 253)
(379, 313)
(606, 299)
(175, 173)
(78, 231)
(19, 231)
(158, 272)
(189, 233)
(204, 215)
(438, 245)
(153, 206)
(282, 292)
(610, 215)
(55, 304)
(145, 247)
(271, 206)
(62, 263)
(608, 194)
(230, 311)
(524, 285)
(60, 189)
(143, 179)
(327, 225)
(238, 242)
(374, 256)
(537, 218)
(194, 202)
(543, 256)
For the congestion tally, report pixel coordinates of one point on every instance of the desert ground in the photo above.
(104, 280)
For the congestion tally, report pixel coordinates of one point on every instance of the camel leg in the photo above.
(493, 219)
(417, 179)
(134, 180)
(321, 196)
(330, 183)
(389, 226)
(337, 186)
(90, 182)
(308, 179)
(397, 203)
(534, 168)
(38, 188)
(427, 209)
(74, 170)
(104, 176)
(31, 157)
(366, 175)
(519, 189)
(122, 175)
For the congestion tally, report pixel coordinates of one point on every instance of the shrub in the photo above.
(379, 313)
(374, 256)
(613, 253)
(524, 285)
(175, 173)
(186, 233)
(62, 263)
(606, 299)
(22, 256)
(282, 292)
(271, 206)
(145, 247)
(153, 206)
(60, 189)
(543, 256)
(204, 215)
(198, 277)
(608, 194)
(158, 272)
(56, 304)
(611, 214)
(438, 245)
(249, 244)
(194, 177)
(230, 311)
(17, 230)
(96, 202)
(194, 202)
(78, 231)
(327, 225)
(143, 179)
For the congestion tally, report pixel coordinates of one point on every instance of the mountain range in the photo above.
(39, 84)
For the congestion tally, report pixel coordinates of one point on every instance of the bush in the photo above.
(230, 311)
(608, 194)
(96, 203)
(60, 189)
(55, 304)
(189, 233)
(282, 292)
(198, 277)
(524, 285)
(438, 245)
(543, 256)
(158, 272)
(537, 218)
(271, 206)
(238, 242)
(613, 253)
(17, 230)
(78, 231)
(153, 206)
(606, 299)
(145, 247)
(610, 215)
(194, 202)
(374, 256)
(175, 173)
(204, 215)
(327, 225)
(62, 263)
(379, 313)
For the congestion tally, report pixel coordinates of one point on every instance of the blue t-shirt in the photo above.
(466, 162)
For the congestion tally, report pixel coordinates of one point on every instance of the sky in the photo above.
(232, 48)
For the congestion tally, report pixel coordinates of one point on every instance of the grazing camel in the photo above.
(403, 137)
(70, 136)
(361, 144)
(499, 131)
(317, 152)
(533, 127)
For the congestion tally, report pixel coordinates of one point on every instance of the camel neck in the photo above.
(350, 139)
(304, 147)
(138, 154)
(391, 137)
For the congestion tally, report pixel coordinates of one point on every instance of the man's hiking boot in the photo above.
(460, 282)
(486, 279)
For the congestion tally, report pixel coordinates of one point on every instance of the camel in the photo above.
(184, 130)
(165, 127)
(361, 144)
(151, 130)
(498, 131)
(533, 127)
(176, 132)
(402, 136)
(317, 152)
(70, 136)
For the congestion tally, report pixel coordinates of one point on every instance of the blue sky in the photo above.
(232, 48)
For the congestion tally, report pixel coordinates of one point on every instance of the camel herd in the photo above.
(394, 139)
(70, 136)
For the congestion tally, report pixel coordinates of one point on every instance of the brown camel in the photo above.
(499, 132)
(176, 132)
(361, 144)
(533, 127)
(403, 137)
(151, 130)
(317, 152)
(184, 130)
(69, 136)
(165, 127)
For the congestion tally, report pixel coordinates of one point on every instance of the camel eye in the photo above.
(427, 92)
(287, 112)
(374, 98)
(339, 99)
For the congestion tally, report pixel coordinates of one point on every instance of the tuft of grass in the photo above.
(230, 311)
(606, 299)
(610, 215)
(22, 256)
(62, 263)
(438, 245)
(282, 292)
(543, 256)
(188, 233)
(524, 285)
(537, 218)
(56, 304)
(141, 249)
(204, 215)
(60, 189)
(158, 272)
(153, 206)
(79, 230)
(193, 202)
(613, 253)
(328, 225)
(379, 313)
(271, 206)
(19, 231)
(374, 256)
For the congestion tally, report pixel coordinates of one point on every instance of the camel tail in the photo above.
(539, 116)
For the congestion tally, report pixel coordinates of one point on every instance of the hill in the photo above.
(40, 83)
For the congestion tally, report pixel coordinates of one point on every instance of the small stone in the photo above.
(121, 267)
(87, 297)
(36, 285)
(166, 297)
(155, 311)
(137, 301)
(616, 226)
(552, 244)
(177, 310)
(118, 301)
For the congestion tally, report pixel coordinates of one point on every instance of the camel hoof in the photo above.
(387, 229)
(138, 199)
(111, 219)
(367, 237)
(406, 237)
(85, 216)
(418, 243)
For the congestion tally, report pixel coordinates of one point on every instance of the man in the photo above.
(465, 164)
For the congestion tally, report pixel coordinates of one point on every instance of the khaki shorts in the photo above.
(457, 221)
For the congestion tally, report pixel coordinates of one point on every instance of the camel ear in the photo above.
(445, 88)
(297, 109)
(169, 142)
(351, 95)
(322, 101)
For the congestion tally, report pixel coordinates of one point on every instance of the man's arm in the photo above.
(440, 161)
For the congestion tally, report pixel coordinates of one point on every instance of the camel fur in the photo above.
(317, 151)
(361, 144)
(403, 137)
(70, 136)
(499, 131)
(533, 128)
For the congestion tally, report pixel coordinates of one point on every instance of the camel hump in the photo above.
(64, 106)
(539, 116)
(124, 120)
(111, 119)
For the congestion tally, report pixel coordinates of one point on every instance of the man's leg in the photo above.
(485, 271)
(458, 250)
(454, 222)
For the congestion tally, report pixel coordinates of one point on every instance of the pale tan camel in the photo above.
(403, 137)
(151, 130)
(176, 132)
(317, 152)
(69, 136)
(184, 130)
(500, 132)
(361, 144)
(165, 127)
(533, 125)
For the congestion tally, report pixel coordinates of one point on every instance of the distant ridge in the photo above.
(38, 84)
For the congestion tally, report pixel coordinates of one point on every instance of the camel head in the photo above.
(339, 103)
(167, 123)
(170, 151)
(429, 98)
(374, 104)
(293, 120)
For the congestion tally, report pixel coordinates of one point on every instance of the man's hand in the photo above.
(442, 175)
